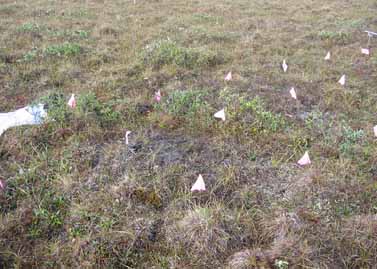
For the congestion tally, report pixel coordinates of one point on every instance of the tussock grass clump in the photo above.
(203, 233)
(167, 52)
(65, 50)
(184, 108)
(89, 108)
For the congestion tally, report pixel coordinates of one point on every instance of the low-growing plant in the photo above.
(30, 55)
(261, 118)
(57, 109)
(68, 33)
(185, 103)
(190, 106)
(350, 139)
(166, 52)
(49, 216)
(339, 37)
(65, 49)
(90, 106)
(29, 27)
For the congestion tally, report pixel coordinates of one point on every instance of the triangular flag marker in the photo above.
(342, 80)
(365, 51)
(199, 184)
(157, 96)
(305, 160)
(284, 66)
(375, 130)
(220, 114)
(72, 101)
(328, 56)
(2, 185)
(228, 77)
(293, 93)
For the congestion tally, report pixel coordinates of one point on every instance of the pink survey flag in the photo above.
(328, 56)
(199, 184)
(157, 96)
(365, 51)
(293, 93)
(127, 134)
(72, 101)
(342, 80)
(220, 114)
(284, 66)
(305, 160)
(228, 77)
(375, 130)
(2, 185)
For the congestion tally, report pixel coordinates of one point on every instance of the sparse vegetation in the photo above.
(74, 195)
(65, 49)
(165, 52)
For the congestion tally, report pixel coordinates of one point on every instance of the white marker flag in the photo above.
(293, 93)
(365, 51)
(284, 66)
(228, 77)
(220, 114)
(305, 160)
(199, 184)
(342, 80)
(157, 96)
(72, 101)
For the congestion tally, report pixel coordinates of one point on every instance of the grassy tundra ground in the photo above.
(76, 196)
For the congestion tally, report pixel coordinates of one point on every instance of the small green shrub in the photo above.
(65, 49)
(89, 106)
(350, 139)
(166, 52)
(262, 119)
(29, 27)
(339, 37)
(49, 216)
(185, 103)
(57, 109)
(30, 55)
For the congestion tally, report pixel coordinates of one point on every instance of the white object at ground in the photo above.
(72, 101)
(220, 114)
(365, 51)
(328, 56)
(29, 115)
(127, 134)
(342, 80)
(157, 96)
(228, 77)
(199, 184)
(284, 66)
(293, 93)
(305, 160)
